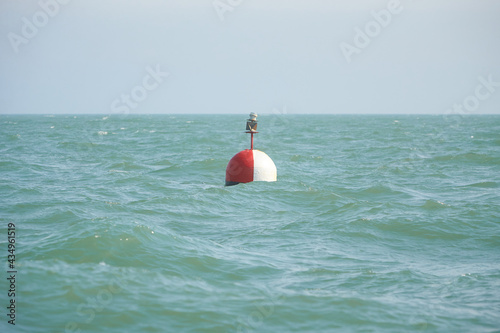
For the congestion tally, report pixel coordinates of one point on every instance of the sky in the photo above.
(242, 56)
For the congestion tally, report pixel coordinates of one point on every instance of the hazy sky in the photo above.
(238, 56)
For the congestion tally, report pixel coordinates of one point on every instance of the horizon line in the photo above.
(263, 114)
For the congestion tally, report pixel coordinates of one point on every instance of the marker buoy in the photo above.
(250, 164)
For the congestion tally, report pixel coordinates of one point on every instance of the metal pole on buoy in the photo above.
(252, 127)
(250, 164)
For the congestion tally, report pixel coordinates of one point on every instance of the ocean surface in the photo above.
(376, 224)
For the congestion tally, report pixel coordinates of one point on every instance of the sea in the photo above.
(377, 223)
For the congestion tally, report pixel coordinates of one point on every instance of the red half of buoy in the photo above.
(250, 165)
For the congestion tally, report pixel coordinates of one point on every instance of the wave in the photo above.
(486, 184)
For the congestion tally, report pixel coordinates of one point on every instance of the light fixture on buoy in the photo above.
(250, 164)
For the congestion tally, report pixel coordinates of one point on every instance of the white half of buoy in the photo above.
(264, 168)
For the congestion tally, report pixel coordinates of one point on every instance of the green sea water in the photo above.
(376, 224)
